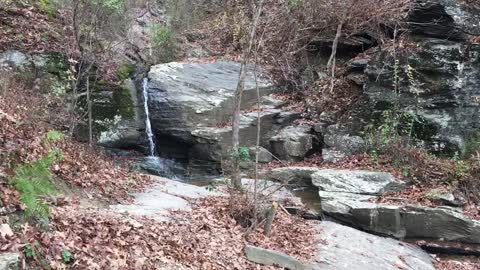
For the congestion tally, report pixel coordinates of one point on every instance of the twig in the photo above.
(283, 209)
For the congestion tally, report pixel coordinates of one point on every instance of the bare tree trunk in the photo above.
(236, 181)
(267, 230)
(257, 145)
(89, 108)
(333, 57)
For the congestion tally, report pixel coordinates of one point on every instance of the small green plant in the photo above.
(116, 5)
(48, 7)
(29, 252)
(33, 179)
(241, 154)
(58, 88)
(67, 256)
(53, 136)
(161, 35)
(125, 71)
(164, 47)
(294, 3)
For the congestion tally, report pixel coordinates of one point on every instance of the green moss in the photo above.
(125, 71)
(56, 64)
(111, 105)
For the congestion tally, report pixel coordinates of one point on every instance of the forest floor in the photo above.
(82, 232)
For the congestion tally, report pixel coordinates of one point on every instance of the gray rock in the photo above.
(286, 118)
(445, 19)
(214, 143)
(264, 156)
(444, 197)
(345, 248)
(14, 59)
(293, 143)
(356, 181)
(272, 101)
(9, 261)
(438, 87)
(338, 138)
(191, 106)
(350, 196)
(320, 127)
(121, 121)
(358, 78)
(332, 156)
(358, 64)
(165, 195)
(442, 223)
(272, 257)
(328, 117)
(186, 96)
(345, 143)
(293, 175)
(44, 63)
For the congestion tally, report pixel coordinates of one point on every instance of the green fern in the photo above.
(34, 180)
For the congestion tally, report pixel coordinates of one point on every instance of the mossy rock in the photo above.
(112, 106)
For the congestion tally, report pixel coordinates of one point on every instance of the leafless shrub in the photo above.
(288, 27)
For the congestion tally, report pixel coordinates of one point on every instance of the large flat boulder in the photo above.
(186, 96)
(344, 248)
(416, 222)
(191, 107)
(356, 181)
(161, 197)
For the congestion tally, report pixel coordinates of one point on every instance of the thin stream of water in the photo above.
(148, 124)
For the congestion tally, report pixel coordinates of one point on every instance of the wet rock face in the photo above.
(446, 19)
(191, 106)
(437, 84)
(186, 96)
(118, 120)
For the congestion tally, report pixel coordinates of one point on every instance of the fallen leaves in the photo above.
(204, 238)
(25, 28)
(466, 263)
(22, 141)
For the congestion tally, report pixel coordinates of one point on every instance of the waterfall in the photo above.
(148, 125)
(153, 163)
